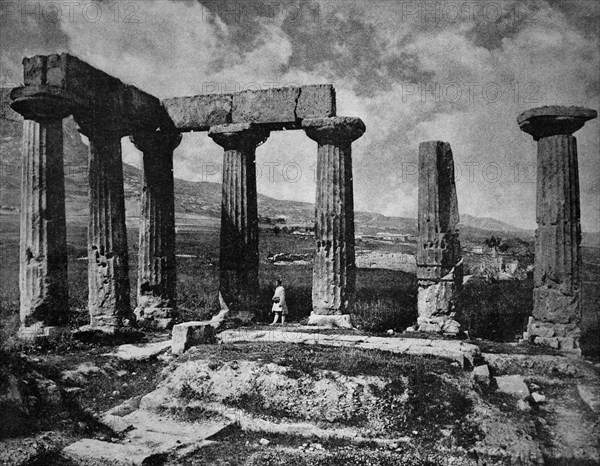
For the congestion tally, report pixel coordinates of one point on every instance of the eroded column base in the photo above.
(435, 304)
(39, 332)
(564, 337)
(154, 312)
(443, 324)
(339, 320)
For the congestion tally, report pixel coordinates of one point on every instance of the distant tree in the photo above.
(493, 242)
(276, 230)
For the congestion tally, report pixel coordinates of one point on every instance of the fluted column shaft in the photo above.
(108, 261)
(439, 269)
(557, 274)
(334, 272)
(157, 271)
(43, 244)
(239, 257)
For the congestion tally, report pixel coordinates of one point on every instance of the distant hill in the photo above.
(192, 199)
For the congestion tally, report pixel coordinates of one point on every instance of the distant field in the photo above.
(385, 298)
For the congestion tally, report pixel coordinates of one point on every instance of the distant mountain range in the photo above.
(194, 200)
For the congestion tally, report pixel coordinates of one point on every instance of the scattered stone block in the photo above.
(523, 405)
(193, 333)
(481, 375)
(330, 321)
(93, 452)
(140, 352)
(538, 397)
(512, 385)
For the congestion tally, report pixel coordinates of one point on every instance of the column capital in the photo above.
(239, 136)
(554, 120)
(156, 141)
(43, 102)
(334, 130)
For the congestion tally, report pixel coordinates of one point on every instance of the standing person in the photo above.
(279, 306)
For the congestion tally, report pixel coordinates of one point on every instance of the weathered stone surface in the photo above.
(554, 120)
(339, 321)
(43, 282)
(200, 112)
(268, 106)
(157, 273)
(92, 93)
(439, 263)
(512, 385)
(481, 375)
(193, 333)
(316, 101)
(334, 272)
(108, 267)
(557, 273)
(539, 364)
(91, 452)
(238, 263)
(590, 394)
(141, 352)
(275, 108)
(453, 350)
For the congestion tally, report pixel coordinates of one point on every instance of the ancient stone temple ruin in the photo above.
(439, 262)
(56, 86)
(557, 275)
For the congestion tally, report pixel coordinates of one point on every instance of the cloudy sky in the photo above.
(456, 71)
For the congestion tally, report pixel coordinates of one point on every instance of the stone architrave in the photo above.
(157, 272)
(108, 258)
(43, 285)
(439, 262)
(334, 273)
(239, 287)
(557, 274)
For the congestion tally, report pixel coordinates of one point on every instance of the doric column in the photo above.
(439, 263)
(334, 273)
(239, 216)
(43, 239)
(108, 261)
(557, 274)
(157, 273)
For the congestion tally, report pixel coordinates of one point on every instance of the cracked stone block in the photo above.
(266, 106)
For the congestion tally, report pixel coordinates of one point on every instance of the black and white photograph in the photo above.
(299, 232)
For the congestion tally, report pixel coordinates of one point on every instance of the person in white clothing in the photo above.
(279, 306)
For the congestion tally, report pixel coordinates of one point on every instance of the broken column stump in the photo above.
(43, 285)
(439, 259)
(334, 272)
(557, 274)
(238, 262)
(157, 271)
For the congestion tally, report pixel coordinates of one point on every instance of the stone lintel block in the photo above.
(271, 106)
(339, 320)
(193, 333)
(199, 112)
(553, 120)
(316, 101)
(277, 108)
(95, 93)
